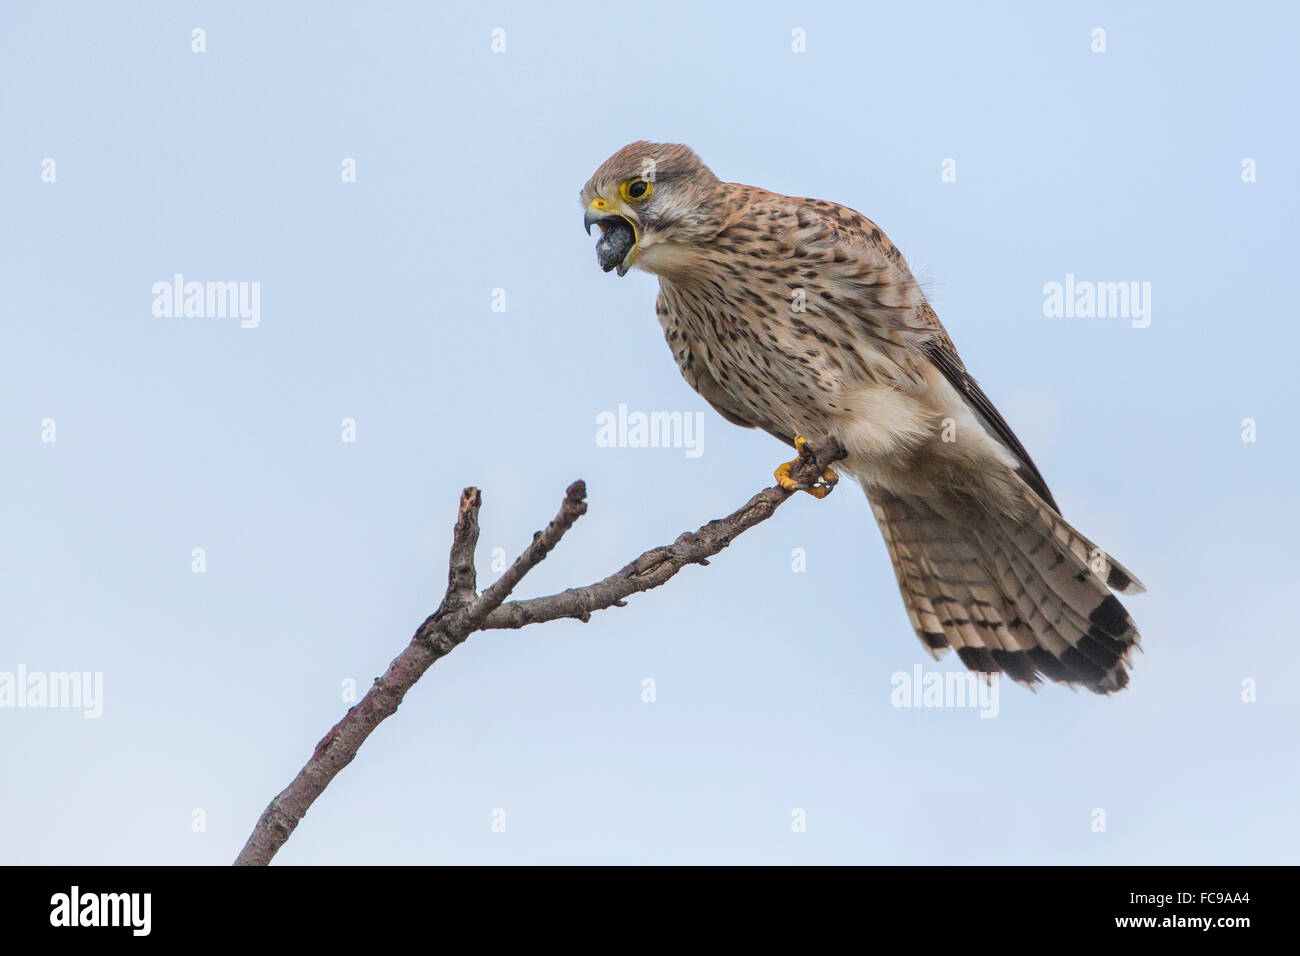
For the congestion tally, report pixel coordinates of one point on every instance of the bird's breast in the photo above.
(789, 363)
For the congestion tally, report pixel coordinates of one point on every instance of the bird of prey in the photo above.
(799, 317)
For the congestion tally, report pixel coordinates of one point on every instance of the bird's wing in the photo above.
(865, 257)
(943, 355)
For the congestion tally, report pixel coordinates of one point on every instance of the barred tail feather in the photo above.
(1025, 597)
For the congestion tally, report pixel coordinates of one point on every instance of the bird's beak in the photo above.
(594, 214)
(619, 236)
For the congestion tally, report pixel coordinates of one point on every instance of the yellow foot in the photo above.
(821, 489)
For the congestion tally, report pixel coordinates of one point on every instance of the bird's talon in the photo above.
(782, 476)
(821, 489)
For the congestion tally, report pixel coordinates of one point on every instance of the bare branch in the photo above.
(461, 614)
(462, 578)
(574, 507)
(658, 565)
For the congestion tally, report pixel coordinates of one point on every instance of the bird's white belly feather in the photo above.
(915, 442)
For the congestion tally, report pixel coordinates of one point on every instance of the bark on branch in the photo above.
(463, 611)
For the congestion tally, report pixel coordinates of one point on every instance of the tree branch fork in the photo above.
(464, 611)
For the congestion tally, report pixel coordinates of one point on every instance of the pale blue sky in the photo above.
(773, 687)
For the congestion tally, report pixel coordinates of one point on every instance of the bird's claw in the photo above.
(819, 489)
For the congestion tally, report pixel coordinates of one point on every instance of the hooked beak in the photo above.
(593, 216)
(617, 247)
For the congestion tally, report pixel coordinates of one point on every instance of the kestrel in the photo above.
(799, 317)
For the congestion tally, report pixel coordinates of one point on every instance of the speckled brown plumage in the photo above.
(800, 317)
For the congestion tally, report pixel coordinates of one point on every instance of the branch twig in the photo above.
(461, 613)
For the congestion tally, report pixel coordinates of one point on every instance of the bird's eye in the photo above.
(637, 190)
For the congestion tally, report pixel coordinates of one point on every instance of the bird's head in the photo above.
(652, 201)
